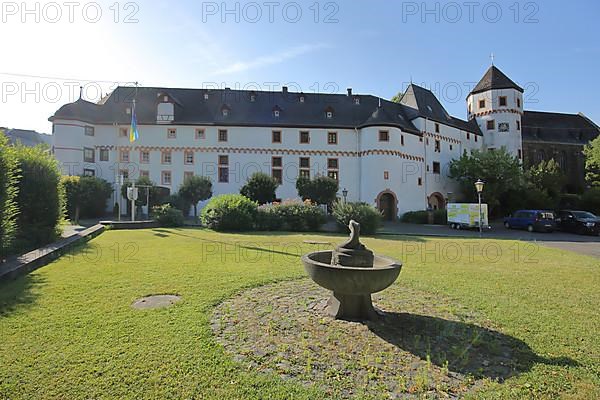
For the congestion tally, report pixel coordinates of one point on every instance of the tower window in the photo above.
(384, 136)
(518, 125)
(386, 175)
(502, 101)
(518, 102)
(436, 167)
(89, 131)
(402, 140)
(491, 125)
(437, 128)
(89, 155)
(481, 103)
(438, 146)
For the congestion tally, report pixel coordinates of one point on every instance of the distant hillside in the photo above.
(27, 137)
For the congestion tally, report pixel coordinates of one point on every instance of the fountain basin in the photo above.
(351, 286)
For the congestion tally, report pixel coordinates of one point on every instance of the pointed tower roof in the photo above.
(495, 79)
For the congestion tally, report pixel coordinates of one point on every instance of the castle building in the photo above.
(392, 155)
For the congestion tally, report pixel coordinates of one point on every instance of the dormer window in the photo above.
(205, 96)
(276, 111)
(357, 100)
(166, 99)
(165, 111)
(329, 112)
(301, 99)
(225, 111)
(252, 97)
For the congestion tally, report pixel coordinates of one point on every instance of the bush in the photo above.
(590, 200)
(366, 215)
(86, 196)
(569, 201)
(8, 195)
(301, 216)
(179, 202)
(260, 188)
(440, 217)
(229, 212)
(194, 190)
(167, 216)
(320, 190)
(268, 218)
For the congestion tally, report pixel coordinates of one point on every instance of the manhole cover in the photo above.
(158, 301)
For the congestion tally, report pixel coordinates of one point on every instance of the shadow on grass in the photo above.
(19, 293)
(461, 347)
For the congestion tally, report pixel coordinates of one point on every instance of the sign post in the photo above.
(132, 194)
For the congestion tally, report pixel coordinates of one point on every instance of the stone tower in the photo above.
(496, 103)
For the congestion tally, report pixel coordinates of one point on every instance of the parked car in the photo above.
(581, 222)
(532, 220)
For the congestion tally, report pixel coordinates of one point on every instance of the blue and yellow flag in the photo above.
(133, 131)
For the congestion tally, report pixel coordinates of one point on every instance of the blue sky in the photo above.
(376, 47)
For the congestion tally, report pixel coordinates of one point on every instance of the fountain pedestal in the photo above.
(352, 273)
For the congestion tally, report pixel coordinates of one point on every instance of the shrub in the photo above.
(8, 195)
(260, 188)
(440, 217)
(178, 202)
(590, 200)
(194, 190)
(40, 198)
(415, 217)
(569, 201)
(320, 190)
(167, 216)
(367, 216)
(229, 212)
(301, 216)
(85, 196)
(268, 218)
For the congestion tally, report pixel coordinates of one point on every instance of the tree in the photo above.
(320, 190)
(86, 196)
(9, 174)
(592, 162)
(260, 188)
(195, 189)
(73, 196)
(397, 97)
(500, 171)
(547, 177)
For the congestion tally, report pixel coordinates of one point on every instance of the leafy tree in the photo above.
(320, 190)
(86, 196)
(397, 97)
(547, 177)
(195, 189)
(500, 171)
(8, 194)
(40, 198)
(260, 188)
(592, 162)
(73, 196)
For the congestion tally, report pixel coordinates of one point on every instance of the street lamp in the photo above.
(479, 186)
(345, 194)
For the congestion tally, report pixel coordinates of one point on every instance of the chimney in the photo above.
(285, 90)
(349, 92)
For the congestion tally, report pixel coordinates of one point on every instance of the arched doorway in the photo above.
(436, 201)
(388, 205)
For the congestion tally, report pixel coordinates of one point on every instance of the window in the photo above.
(200, 134)
(502, 101)
(450, 147)
(520, 154)
(384, 136)
(304, 137)
(166, 157)
(518, 125)
(89, 155)
(436, 167)
(357, 101)
(123, 132)
(305, 167)
(333, 166)
(329, 114)
(89, 131)
(188, 157)
(171, 133)
(144, 156)
(437, 128)
(103, 154)
(124, 155)
(481, 103)
(277, 169)
(402, 140)
(223, 169)
(468, 136)
(276, 137)
(386, 175)
(301, 99)
(124, 173)
(166, 177)
(469, 108)
(420, 181)
(276, 113)
(187, 175)
(491, 125)
(518, 102)
(89, 172)
(225, 112)
(252, 98)
(222, 135)
(503, 127)
(475, 138)
(332, 138)
(438, 146)
(144, 174)
(205, 96)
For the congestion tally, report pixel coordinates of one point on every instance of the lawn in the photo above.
(68, 330)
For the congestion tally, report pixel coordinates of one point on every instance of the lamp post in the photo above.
(345, 194)
(479, 186)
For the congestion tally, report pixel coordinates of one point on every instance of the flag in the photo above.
(133, 131)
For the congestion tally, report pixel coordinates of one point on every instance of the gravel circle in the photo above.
(424, 345)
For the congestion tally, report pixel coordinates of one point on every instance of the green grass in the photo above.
(68, 331)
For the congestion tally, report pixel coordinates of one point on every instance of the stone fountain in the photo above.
(352, 273)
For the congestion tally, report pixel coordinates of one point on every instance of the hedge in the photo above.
(366, 215)
(8, 194)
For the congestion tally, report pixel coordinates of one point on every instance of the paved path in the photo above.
(589, 245)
